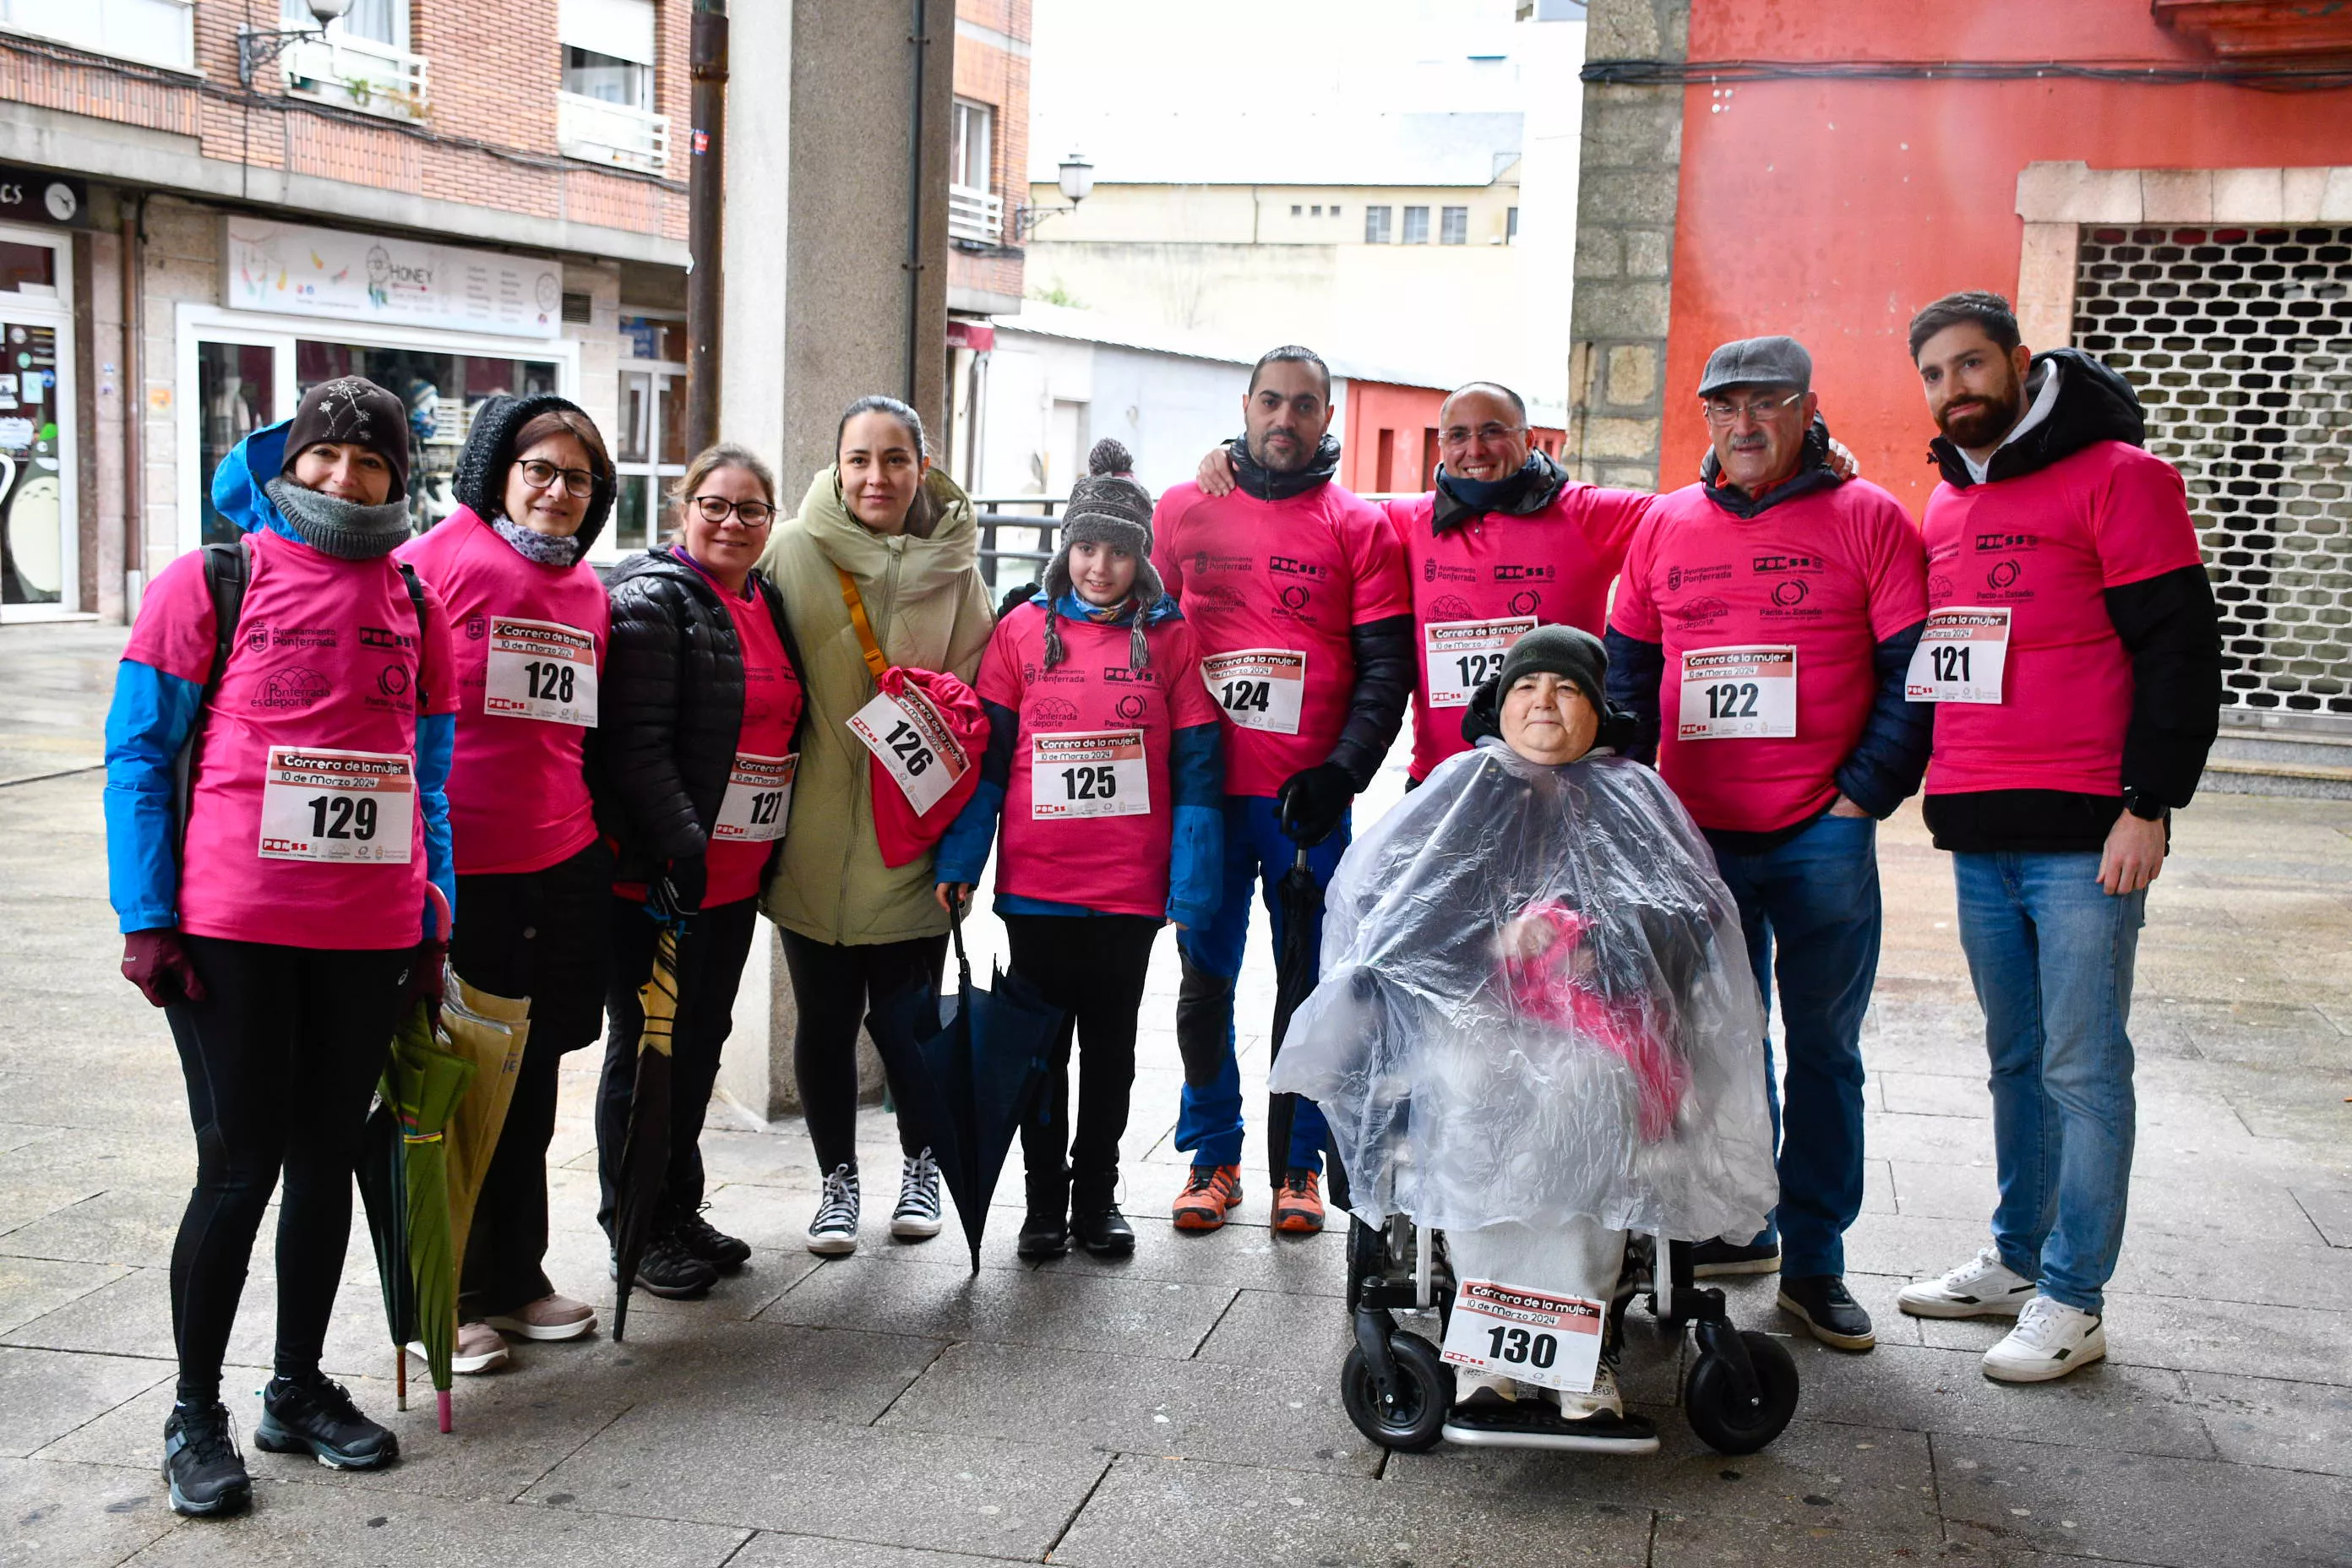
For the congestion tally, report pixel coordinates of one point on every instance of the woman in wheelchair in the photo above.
(1536, 1032)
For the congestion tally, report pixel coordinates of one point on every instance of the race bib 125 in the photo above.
(1098, 773)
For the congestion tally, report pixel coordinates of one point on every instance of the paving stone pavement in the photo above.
(894, 1410)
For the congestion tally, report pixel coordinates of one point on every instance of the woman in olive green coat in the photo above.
(855, 930)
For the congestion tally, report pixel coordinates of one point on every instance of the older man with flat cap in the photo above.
(1770, 610)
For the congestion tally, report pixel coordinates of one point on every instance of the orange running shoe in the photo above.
(1298, 1207)
(1208, 1193)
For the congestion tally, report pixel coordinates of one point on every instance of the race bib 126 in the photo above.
(1962, 655)
(1258, 687)
(1739, 693)
(912, 743)
(540, 670)
(1536, 1336)
(357, 807)
(1098, 773)
(1462, 655)
(759, 799)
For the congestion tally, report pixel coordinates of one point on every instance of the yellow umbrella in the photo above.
(488, 1031)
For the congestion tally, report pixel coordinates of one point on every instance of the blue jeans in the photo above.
(1813, 904)
(2050, 953)
(1209, 1119)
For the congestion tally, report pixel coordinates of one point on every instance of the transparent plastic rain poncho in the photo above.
(1536, 1003)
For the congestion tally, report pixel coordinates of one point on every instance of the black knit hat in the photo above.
(1568, 652)
(479, 482)
(1106, 509)
(352, 411)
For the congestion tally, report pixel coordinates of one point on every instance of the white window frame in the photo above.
(968, 110)
(182, 33)
(55, 312)
(215, 323)
(607, 547)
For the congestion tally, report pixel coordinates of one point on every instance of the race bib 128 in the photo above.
(356, 808)
(1463, 656)
(912, 743)
(1536, 1336)
(1098, 773)
(1739, 693)
(1962, 655)
(1258, 687)
(759, 799)
(540, 670)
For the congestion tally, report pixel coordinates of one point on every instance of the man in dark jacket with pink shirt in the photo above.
(2074, 659)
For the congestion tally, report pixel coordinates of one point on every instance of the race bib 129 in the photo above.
(1098, 773)
(1739, 693)
(912, 743)
(1536, 1336)
(356, 808)
(1962, 655)
(1258, 687)
(1463, 656)
(759, 799)
(540, 670)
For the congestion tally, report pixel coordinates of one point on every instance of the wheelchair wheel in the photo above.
(1721, 1420)
(1425, 1393)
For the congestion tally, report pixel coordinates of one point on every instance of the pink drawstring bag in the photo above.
(1544, 984)
(926, 732)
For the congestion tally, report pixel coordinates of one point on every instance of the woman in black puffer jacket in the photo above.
(703, 700)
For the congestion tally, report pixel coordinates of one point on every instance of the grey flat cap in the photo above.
(1758, 361)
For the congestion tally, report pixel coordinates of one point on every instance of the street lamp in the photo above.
(255, 49)
(1077, 183)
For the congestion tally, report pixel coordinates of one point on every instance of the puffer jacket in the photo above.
(930, 610)
(673, 707)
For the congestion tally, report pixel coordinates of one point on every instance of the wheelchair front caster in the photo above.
(1413, 1416)
(1724, 1420)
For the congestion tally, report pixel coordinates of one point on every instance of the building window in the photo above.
(361, 63)
(1376, 226)
(604, 111)
(1416, 225)
(1455, 226)
(976, 212)
(1318, 210)
(1296, 210)
(1335, 209)
(160, 32)
(607, 79)
(1511, 226)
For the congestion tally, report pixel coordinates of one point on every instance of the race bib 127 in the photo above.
(1962, 655)
(1740, 693)
(1462, 655)
(540, 670)
(356, 808)
(913, 744)
(758, 804)
(1258, 687)
(1098, 773)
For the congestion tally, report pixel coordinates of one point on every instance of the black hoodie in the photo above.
(2167, 623)
(479, 479)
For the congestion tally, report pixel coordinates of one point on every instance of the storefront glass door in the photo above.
(236, 393)
(40, 523)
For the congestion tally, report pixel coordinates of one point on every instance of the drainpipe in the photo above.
(921, 42)
(706, 206)
(134, 404)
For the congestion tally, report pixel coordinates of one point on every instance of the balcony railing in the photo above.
(613, 133)
(357, 73)
(975, 214)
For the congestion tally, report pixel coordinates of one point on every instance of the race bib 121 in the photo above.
(1258, 687)
(1737, 693)
(1962, 655)
(355, 807)
(1098, 773)
(540, 670)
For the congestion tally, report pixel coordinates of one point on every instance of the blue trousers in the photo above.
(2050, 952)
(1810, 909)
(1209, 1119)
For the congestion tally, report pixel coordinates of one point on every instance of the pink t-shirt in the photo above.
(328, 656)
(1287, 580)
(772, 706)
(1830, 574)
(2046, 546)
(518, 796)
(1088, 810)
(1555, 565)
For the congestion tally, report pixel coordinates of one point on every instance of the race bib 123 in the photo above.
(1464, 655)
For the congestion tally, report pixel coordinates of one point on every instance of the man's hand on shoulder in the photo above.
(1215, 474)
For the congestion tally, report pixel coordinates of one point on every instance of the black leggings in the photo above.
(547, 935)
(1093, 967)
(832, 987)
(281, 1058)
(724, 935)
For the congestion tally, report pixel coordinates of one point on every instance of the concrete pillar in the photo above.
(818, 307)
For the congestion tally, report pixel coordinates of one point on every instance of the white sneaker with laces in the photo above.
(1983, 1286)
(916, 1217)
(2051, 1340)
(1603, 1397)
(834, 1232)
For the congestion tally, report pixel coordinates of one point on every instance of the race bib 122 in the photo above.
(1737, 693)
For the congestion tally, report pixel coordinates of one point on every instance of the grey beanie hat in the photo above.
(1106, 509)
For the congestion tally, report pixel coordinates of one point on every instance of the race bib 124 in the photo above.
(1962, 655)
(356, 808)
(1098, 773)
(1258, 687)
(1739, 693)
(540, 670)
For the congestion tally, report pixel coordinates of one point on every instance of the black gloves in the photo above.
(1014, 599)
(1312, 800)
(679, 891)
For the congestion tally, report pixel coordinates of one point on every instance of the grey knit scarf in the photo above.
(342, 528)
(547, 548)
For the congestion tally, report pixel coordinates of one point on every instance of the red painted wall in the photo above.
(1389, 442)
(1833, 210)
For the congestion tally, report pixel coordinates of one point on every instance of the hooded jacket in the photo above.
(930, 610)
(479, 479)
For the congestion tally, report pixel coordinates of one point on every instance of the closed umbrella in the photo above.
(489, 1031)
(965, 1070)
(637, 1191)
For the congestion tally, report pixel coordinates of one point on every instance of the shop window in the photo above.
(27, 268)
(1455, 226)
(1416, 225)
(33, 519)
(655, 337)
(1376, 225)
(235, 395)
(1511, 226)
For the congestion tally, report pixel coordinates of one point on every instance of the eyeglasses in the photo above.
(539, 476)
(1490, 433)
(718, 509)
(1757, 409)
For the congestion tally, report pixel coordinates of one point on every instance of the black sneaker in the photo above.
(1713, 1259)
(316, 1417)
(1104, 1232)
(1043, 1233)
(699, 1237)
(200, 1464)
(665, 1268)
(1829, 1309)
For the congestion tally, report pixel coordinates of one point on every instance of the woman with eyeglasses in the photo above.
(700, 739)
(535, 486)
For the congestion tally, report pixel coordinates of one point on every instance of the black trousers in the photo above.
(281, 1058)
(833, 986)
(1093, 967)
(547, 935)
(723, 936)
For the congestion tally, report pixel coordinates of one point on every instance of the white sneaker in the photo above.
(834, 1232)
(1983, 1286)
(916, 1217)
(479, 1348)
(2051, 1340)
(1603, 1397)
